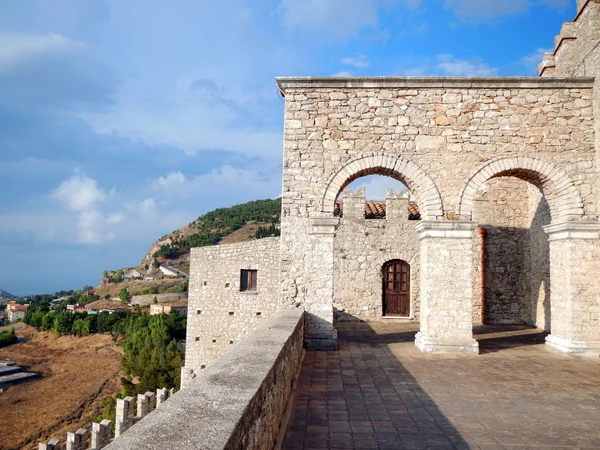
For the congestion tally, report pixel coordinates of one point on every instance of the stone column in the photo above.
(319, 333)
(574, 288)
(446, 262)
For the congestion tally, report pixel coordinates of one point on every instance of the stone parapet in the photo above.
(237, 402)
(285, 83)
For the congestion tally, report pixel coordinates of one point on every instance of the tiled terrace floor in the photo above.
(379, 391)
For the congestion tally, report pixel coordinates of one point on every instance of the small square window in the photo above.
(248, 280)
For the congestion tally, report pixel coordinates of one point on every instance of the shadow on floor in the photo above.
(362, 397)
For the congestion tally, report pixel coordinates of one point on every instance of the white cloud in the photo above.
(359, 61)
(79, 193)
(478, 10)
(475, 67)
(90, 228)
(172, 180)
(337, 18)
(343, 73)
(18, 48)
(146, 206)
(531, 61)
(115, 218)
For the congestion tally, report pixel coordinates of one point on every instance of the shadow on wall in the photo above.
(517, 274)
(340, 315)
(540, 266)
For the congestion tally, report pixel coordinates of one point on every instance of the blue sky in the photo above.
(121, 121)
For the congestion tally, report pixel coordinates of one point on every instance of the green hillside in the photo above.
(211, 227)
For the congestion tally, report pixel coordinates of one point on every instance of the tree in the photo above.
(124, 295)
(154, 300)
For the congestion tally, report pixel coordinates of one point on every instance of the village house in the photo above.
(15, 311)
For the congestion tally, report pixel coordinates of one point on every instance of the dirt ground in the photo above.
(77, 373)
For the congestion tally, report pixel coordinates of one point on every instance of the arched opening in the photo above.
(379, 200)
(376, 197)
(513, 257)
(423, 189)
(395, 276)
(513, 199)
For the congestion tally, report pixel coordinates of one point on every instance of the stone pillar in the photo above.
(123, 419)
(161, 396)
(53, 444)
(574, 288)
(319, 333)
(446, 261)
(100, 434)
(76, 441)
(145, 404)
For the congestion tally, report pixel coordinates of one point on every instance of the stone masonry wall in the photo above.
(448, 128)
(513, 212)
(361, 248)
(219, 314)
(504, 212)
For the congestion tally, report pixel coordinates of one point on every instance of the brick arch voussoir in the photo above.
(564, 199)
(425, 189)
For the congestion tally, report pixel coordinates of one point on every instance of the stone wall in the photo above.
(147, 299)
(513, 212)
(361, 247)
(238, 402)
(219, 313)
(443, 138)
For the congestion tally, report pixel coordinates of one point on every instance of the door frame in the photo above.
(383, 289)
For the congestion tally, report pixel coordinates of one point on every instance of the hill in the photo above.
(6, 295)
(252, 220)
(77, 373)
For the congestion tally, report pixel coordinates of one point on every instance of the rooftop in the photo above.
(379, 391)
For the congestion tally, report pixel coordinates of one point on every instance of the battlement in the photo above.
(128, 412)
(576, 46)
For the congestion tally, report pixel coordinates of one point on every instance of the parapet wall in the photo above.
(220, 313)
(238, 402)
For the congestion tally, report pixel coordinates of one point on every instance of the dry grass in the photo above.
(77, 373)
(136, 287)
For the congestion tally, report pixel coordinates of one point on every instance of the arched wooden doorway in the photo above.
(396, 288)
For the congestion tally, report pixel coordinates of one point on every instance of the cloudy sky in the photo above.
(122, 120)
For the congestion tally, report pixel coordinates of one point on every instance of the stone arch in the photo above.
(407, 172)
(562, 195)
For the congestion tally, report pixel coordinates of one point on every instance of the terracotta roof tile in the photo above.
(375, 209)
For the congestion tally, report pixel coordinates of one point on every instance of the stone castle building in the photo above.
(501, 225)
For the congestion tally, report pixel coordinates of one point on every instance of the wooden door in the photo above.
(396, 288)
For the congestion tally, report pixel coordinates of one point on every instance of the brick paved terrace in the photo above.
(378, 391)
